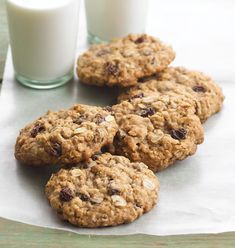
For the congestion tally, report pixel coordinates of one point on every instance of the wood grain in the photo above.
(15, 235)
(18, 235)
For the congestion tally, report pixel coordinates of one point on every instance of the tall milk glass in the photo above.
(108, 19)
(43, 35)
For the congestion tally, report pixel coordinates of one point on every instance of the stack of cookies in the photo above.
(110, 154)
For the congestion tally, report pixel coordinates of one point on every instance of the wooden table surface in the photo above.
(18, 235)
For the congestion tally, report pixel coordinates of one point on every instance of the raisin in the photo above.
(38, 128)
(99, 119)
(80, 120)
(112, 69)
(147, 112)
(56, 149)
(66, 194)
(178, 134)
(139, 40)
(140, 95)
(147, 78)
(199, 88)
(138, 205)
(104, 149)
(111, 191)
(95, 156)
(102, 52)
(108, 108)
(83, 197)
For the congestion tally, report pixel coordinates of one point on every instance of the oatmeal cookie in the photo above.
(123, 61)
(157, 130)
(66, 136)
(107, 190)
(193, 84)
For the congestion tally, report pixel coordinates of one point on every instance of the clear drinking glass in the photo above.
(108, 19)
(43, 35)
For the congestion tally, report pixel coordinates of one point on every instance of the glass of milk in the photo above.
(43, 35)
(108, 19)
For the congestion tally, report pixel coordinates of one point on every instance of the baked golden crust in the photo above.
(192, 84)
(105, 191)
(66, 136)
(157, 130)
(123, 61)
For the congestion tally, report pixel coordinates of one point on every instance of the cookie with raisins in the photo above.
(157, 129)
(106, 190)
(66, 136)
(193, 84)
(123, 61)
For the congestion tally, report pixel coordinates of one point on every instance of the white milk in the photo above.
(108, 19)
(43, 37)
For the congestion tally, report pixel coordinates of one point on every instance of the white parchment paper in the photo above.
(197, 194)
